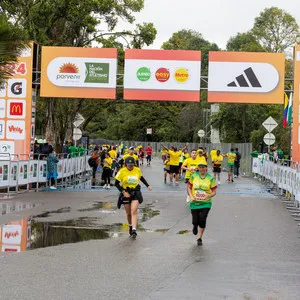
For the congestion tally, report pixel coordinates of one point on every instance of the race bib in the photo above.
(200, 194)
(132, 180)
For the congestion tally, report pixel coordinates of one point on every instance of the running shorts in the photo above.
(174, 169)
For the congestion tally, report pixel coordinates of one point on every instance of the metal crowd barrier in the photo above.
(284, 174)
(22, 172)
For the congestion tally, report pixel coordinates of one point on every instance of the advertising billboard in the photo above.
(295, 109)
(75, 72)
(16, 105)
(244, 77)
(163, 75)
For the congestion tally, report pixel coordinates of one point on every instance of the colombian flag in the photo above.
(285, 112)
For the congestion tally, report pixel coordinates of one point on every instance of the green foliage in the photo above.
(244, 42)
(275, 29)
(13, 41)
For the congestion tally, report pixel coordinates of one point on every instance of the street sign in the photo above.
(269, 139)
(270, 124)
(201, 133)
(77, 134)
(79, 119)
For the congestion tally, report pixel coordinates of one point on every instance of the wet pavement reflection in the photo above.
(36, 232)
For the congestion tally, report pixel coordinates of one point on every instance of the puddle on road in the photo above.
(32, 233)
(100, 205)
(9, 207)
(58, 211)
(183, 232)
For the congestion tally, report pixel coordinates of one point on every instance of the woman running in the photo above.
(201, 188)
(127, 182)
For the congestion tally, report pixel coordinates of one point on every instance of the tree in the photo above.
(12, 42)
(275, 29)
(76, 23)
(244, 42)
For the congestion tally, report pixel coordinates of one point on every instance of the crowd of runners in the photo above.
(124, 164)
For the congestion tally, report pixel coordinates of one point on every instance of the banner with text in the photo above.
(296, 108)
(246, 77)
(75, 72)
(163, 75)
(16, 106)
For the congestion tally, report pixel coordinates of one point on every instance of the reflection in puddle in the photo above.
(9, 207)
(58, 211)
(100, 205)
(183, 232)
(148, 213)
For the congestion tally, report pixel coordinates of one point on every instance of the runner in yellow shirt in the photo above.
(174, 162)
(217, 165)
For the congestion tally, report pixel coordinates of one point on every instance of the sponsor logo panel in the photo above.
(17, 88)
(16, 109)
(2, 108)
(15, 130)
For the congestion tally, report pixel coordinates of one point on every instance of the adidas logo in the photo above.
(247, 79)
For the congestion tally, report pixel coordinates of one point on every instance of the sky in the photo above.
(216, 20)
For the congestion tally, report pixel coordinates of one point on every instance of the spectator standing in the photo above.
(237, 163)
(52, 161)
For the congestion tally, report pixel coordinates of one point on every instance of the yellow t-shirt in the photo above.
(231, 158)
(107, 162)
(167, 164)
(212, 154)
(193, 163)
(218, 160)
(128, 155)
(112, 154)
(129, 179)
(174, 157)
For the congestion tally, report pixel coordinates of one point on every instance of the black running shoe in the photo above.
(232, 180)
(199, 242)
(130, 230)
(195, 230)
(133, 234)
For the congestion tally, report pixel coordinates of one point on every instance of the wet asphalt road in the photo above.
(251, 247)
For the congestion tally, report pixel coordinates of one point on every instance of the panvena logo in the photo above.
(162, 75)
(68, 68)
(9, 234)
(16, 108)
(68, 71)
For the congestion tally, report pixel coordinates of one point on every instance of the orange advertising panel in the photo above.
(246, 77)
(296, 104)
(74, 72)
(162, 75)
(16, 106)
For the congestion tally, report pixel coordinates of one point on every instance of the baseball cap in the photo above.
(131, 148)
(203, 164)
(129, 161)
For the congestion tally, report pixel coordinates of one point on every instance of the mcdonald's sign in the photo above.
(16, 108)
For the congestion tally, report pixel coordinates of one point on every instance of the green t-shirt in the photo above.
(72, 151)
(200, 185)
(254, 153)
(81, 150)
(231, 158)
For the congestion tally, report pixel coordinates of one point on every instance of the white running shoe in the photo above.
(188, 199)
(108, 186)
(219, 182)
(105, 186)
(53, 188)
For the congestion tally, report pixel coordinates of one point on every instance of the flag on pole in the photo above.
(290, 110)
(285, 111)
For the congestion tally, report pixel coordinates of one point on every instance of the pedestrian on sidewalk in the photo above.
(201, 188)
(52, 161)
(127, 181)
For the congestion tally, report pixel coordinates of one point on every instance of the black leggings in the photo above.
(106, 175)
(200, 216)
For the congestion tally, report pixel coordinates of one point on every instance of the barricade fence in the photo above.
(284, 174)
(24, 170)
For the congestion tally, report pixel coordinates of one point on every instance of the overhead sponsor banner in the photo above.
(15, 107)
(242, 77)
(296, 108)
(79, 72)
(166, 75)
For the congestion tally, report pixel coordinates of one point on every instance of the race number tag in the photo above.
(132, 180)
(200, 195)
